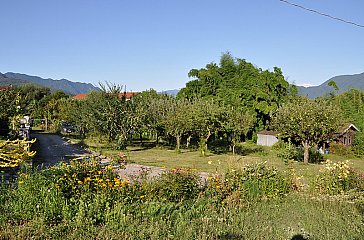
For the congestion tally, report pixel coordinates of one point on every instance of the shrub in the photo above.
(251, 183)
(247, 148)
(286, 151)
(13, 153)
(336, 178)
(340, 149)
(175, 185)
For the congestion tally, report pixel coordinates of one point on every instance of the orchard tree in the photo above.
(207, 119)
(306, 121)
(175, 123)
(236, 124)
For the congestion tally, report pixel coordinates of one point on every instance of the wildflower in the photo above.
(209, 162)
(21, 182)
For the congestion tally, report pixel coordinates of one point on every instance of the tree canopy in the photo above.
(307, 122)
(238, 83)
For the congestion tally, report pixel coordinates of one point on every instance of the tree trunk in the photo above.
(141, 138)
(207, 138)
(188, 141)
(306, 148)
(178, 140)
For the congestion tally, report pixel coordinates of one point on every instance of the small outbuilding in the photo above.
(267, 138)
(346, 135)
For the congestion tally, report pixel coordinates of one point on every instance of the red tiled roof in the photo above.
(127, 95)
(80, 96)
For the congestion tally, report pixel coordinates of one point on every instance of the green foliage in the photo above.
(340, 149)
(307, 122)
(338, 178)
(249, 147)
(286, 150)
(250, 184)
(258, 182)
(238, 83)
(36, 208)
(175, 185)
(13, 153)
(352, 107)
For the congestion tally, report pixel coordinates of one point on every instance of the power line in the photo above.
(323, 14)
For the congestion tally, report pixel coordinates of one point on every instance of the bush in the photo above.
(247, 148)
(250, 184)
(286, 151)
(337, 178)
(174, 185)
(341, 150)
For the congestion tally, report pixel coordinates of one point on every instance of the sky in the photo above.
(144, 44)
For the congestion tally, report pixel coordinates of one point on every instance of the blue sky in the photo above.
(153, 44)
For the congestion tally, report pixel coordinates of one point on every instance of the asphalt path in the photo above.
(52, 149)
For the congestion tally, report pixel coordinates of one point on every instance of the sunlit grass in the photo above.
(168, 158)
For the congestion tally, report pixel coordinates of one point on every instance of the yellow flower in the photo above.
(21, 182)
(209, 162)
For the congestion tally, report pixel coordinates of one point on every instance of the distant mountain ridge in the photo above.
(343, 82)
(65, 85)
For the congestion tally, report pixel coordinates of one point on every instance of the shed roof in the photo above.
(267, 132)
(348, 126)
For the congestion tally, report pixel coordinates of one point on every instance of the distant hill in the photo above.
(344, 83)
(5, 81)
(173, 92)
(65, 85)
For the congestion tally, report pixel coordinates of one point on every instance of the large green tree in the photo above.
(239, 83)
(306, 121)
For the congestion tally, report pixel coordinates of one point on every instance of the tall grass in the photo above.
(173, 206)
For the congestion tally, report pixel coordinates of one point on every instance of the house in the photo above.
(267, 138)
(127, 95)
(346, 135)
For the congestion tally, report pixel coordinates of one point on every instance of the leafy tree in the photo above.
(149, 109)
(352, 108)
(207, 117)
(175, 122)
(8, 109)
(236, 124)
(239, 83)
(308, 122)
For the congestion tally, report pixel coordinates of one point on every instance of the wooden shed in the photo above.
(346, 135)
(267, 138)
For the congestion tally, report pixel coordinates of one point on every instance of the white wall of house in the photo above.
(266, 140)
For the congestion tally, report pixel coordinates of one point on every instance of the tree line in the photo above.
(224, 103)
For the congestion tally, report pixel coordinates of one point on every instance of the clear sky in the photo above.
(147, 44)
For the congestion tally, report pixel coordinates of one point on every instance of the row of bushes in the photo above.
(86, 190)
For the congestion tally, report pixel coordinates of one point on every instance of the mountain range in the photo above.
(69, 87)
(343, 82)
